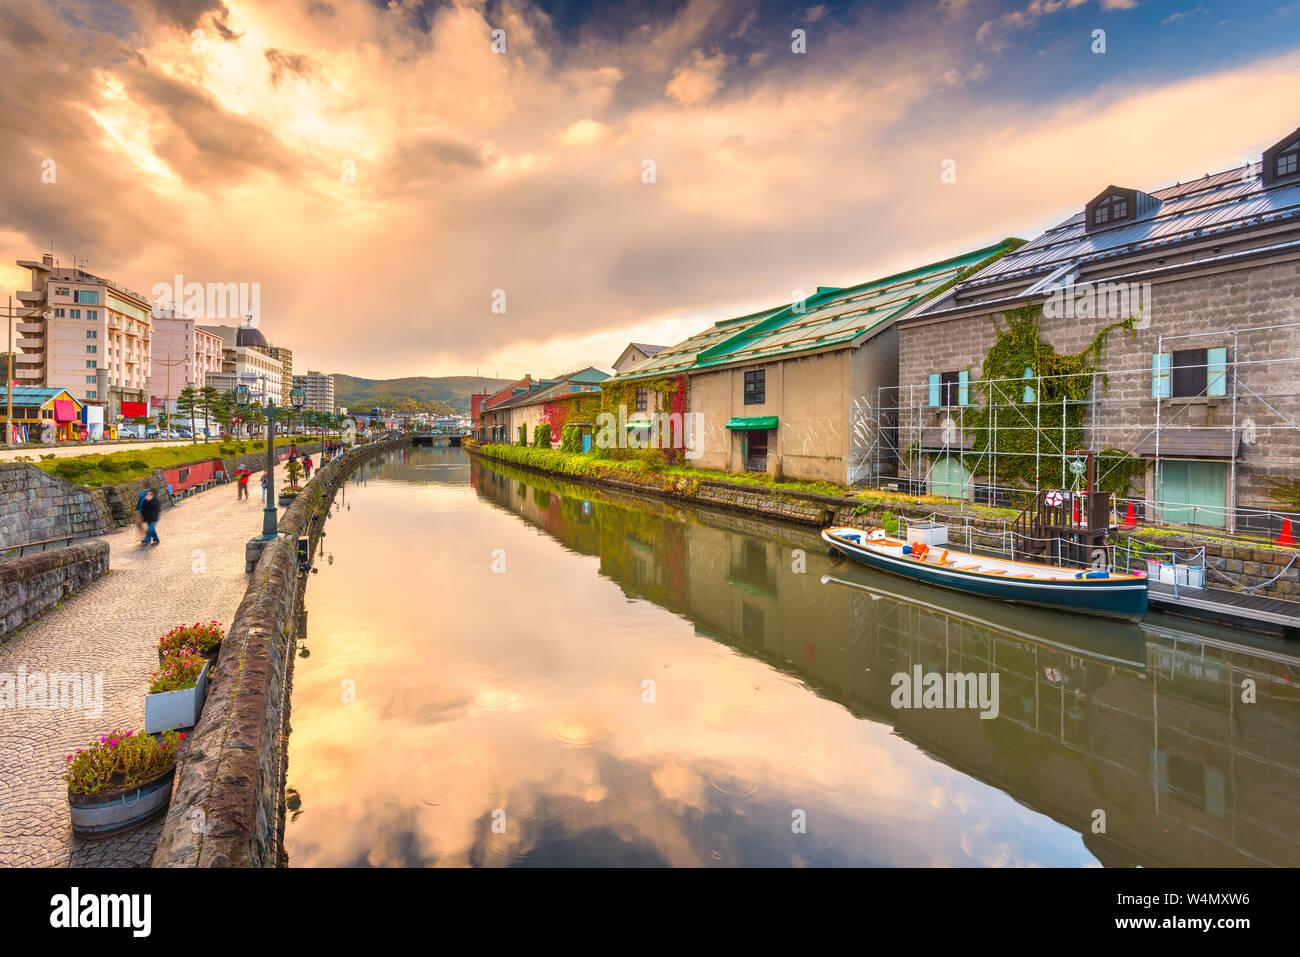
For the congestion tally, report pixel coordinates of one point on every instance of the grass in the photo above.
(94, 471)
(589, 465)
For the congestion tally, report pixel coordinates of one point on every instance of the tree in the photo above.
(209, 403)
(187, 403)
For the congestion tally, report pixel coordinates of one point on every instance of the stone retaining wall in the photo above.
(1229, 566)
(227, 810)
(32, 584)
(35, 506)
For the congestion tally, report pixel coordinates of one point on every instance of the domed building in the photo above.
(250, 336)
(247, 358)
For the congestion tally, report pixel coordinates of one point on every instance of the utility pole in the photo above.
(9, 381)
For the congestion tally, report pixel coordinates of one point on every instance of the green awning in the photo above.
(754, 422)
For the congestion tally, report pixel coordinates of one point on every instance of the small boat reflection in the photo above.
(1120, 644)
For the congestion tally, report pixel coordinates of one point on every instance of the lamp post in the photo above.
(243, 397)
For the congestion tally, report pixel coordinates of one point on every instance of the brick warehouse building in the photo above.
(1201, 384)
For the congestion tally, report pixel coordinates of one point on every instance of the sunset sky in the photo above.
(218, 141)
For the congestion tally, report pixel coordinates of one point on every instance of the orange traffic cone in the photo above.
(1130, 519)
(1285, 538)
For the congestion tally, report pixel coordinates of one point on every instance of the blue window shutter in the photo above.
(934, 388)
(1161, 365)
(963, 387)
(1216, 372)
(1029, 391)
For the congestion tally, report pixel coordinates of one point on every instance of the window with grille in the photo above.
(756, 387)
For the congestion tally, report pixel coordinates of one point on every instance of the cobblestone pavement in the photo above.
(112, 626)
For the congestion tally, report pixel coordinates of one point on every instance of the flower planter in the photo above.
(97, 816)
(286, 501)
(176, 709)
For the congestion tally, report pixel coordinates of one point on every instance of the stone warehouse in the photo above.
(782, 391)
(1164, 326)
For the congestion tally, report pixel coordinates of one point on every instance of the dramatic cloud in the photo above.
(383, 172)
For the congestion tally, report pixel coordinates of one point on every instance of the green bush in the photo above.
(571, 439)
(652, 460)
(542, 436)
(138, 464)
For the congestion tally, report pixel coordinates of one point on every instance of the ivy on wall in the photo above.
(672, 400)
(1006, 427)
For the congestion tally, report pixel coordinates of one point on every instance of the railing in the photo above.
(7, 551)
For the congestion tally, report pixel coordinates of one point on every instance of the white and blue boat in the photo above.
(1104, 593)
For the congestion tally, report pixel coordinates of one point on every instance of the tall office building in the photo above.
(320, 391)
(286, 377)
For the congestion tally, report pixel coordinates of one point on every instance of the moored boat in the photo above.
(1093, 592)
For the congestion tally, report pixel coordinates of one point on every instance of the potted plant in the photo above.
(293, 468)
(206, 639)
(120, 781)
(177, 691)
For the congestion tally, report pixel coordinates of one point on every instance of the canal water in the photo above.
(504, 669)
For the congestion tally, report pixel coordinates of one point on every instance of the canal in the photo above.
(504, 669)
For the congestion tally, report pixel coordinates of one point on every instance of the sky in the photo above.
(414, 194)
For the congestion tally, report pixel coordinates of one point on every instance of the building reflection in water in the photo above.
(1146, 724)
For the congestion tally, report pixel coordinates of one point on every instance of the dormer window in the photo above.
(1111, 210)
(1288, 161)
(1282, 161)
(1117, 205)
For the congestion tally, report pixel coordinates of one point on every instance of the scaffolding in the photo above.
(1239, 410)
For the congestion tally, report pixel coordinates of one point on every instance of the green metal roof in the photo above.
(680, 358)
(830, 317)
(753, 422)
(838, 317)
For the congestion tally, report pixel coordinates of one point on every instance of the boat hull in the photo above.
(1124, 598)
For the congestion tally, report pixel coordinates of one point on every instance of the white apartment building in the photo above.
(244, 353)
(183, 354)
(83, 333)
(320, 391)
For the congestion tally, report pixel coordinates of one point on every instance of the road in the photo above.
(112, 628)
(97, 448)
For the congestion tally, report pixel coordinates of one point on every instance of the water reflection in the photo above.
(502, 717)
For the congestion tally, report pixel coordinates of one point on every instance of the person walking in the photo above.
(306, 466)
(264, 484)
(139, 503)
(150, 509)
(243, 475)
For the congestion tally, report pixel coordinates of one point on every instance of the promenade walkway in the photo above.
(112, 627)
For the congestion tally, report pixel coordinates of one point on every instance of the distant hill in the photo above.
(448, 394)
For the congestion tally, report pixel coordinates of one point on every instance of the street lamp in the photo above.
(243, 398)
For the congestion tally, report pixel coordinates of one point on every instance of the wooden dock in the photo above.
(1242, 610)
